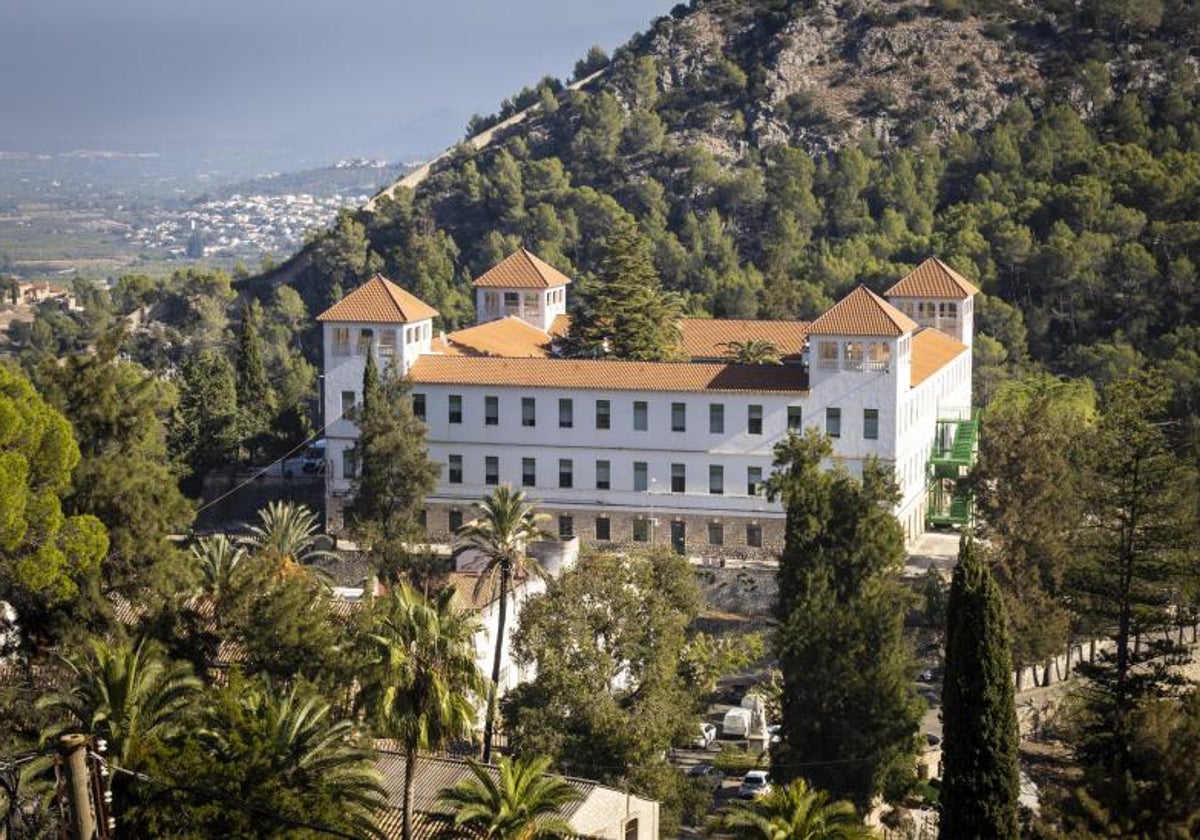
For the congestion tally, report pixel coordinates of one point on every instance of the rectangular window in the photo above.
(603, 475)
(491, 470)
(349, 399)
(512, 303)
(716, 479)
(754, 536)
(387, 344)
(641, 530)
(827, 355)
(603, 414)
(716, 533)
(454, 411)
(871, 423)
(566, 473)
(350, 464)
(880, 355)
(603, 529)
(491, 301)
(753, 480)
(754, 420)
(640, 480)
(566, 527)
(795, 418)
(533, 301)
(833, 422)
(854, 355)
(365, 337)
(418, 406)
(566, 413)
(455, 520)
(454, 469)
(716, 419)
(678, 478)
(491, 411)
(528, 472)
(528, 411)
(678, 417)
(341, 341)
(641, 418)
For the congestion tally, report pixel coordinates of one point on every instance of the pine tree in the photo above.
(395, 473)
(980, 782)
(848, 688)
(624, 313)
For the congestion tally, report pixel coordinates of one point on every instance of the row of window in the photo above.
(603, 415)
(854, 355)
(640, 531)
(602, 472)
(386, 345)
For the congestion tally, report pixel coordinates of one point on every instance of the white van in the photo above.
(736, 723)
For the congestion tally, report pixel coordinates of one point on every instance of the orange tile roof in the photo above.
(603, 374)
(932, 350)
(703, 338)
(862, 312)
(511, 337)
(560, 325)
(522, 270)
(934, 279)
(379, 301)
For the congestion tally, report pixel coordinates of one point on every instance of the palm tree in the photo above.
(420, 686)
(521, 802)
(505, 525)
(795, 812)
(310, 753)
(288, 532)
(218, 560)
(754, 351)
(130, 695)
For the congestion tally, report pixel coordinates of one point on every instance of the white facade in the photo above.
(644, 463)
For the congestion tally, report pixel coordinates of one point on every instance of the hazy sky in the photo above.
(313, 76)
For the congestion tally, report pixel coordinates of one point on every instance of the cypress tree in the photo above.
(980, 784)
(624, 313)
(256, 399)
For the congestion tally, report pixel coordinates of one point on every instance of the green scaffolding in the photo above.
(953, 453)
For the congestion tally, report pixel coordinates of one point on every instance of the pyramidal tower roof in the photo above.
(521, 270)
(379, 301)
(862, 312)
(934, 279)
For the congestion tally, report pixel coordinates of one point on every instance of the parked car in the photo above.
(710, 774)
(773, 733)
(754, 784)
(705, 736)
(314, 458)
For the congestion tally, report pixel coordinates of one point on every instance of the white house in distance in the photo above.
(625, 453)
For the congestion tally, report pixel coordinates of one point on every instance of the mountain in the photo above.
(778, 153)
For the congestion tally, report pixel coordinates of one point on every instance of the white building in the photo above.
(637, 452)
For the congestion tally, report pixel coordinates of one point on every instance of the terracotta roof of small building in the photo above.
(934, 279)
(511, 337)
(379, 301)
(862, 312)
(606, 375)
(560, 326)
(521, 270)
(703, 338)
(932, 350)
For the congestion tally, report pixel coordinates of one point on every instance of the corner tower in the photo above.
(935, 295)
(522, 286)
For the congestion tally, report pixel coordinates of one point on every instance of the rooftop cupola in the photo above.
(937, 296)
(524, 286)
(861, 333)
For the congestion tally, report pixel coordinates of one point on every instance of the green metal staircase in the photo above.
(951, 458)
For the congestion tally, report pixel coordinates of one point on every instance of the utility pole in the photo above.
(73, 749)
